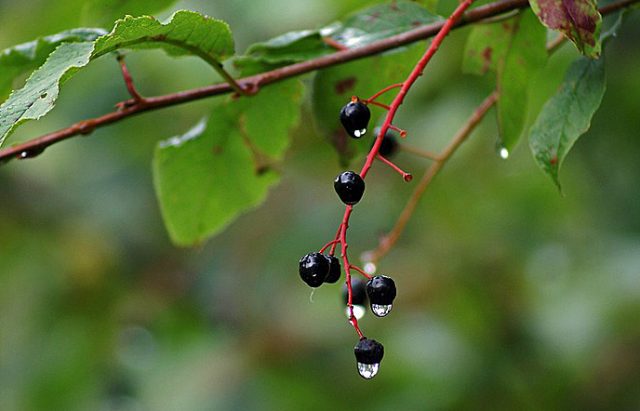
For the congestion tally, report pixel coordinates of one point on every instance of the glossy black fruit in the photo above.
(358, 292)
(389, 144)
(334, 270)
(381, 290)
(349, 186)
(314, 268)
(355, 118)
(368, 351)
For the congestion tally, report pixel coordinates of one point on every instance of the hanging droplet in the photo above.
(368, 371)
(31, 153)
(358, 311)
(381, 310)
(370, 268)
(504, 153)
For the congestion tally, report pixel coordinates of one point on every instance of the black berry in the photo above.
(355, 117)
(368, 353)
(314, 268)
(349, 186)
(381, 291)
(389, 144)
(358, 292)
(334, 270)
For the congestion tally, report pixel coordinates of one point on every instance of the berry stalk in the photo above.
(373, 153)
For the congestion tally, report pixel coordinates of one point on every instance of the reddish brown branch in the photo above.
(389, 240)
(254, 83)
(128, 81)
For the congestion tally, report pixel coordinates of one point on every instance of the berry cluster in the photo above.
(317, 268)
(355, 116)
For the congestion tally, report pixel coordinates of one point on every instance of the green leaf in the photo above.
(487, 46)
(567, 115)
(22, 58)
(290, 47)
(186, 33)
(40, 92)
(104, 12)
(371, 24)
(525, 56)
(209, 176)
(579, 20)
(379, 22)
(334, 87)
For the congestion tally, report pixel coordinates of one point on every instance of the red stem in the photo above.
(373, 153)
(361, 271)
(382, 105)
(347, 267)
(381, 92)
(405, 176)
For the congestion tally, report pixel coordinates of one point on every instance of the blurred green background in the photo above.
(510, 295)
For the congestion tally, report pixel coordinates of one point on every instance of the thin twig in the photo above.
(416, 72)
(128, 81)
(389, 240)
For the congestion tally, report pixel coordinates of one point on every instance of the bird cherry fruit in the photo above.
(389, 145)
(334, 270)
(314, 269)
(381, 291)
(368, 353)
(355, 117)
(350, 187)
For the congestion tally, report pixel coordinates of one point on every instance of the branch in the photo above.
(373, 153)
(254, 83)
(389, 240)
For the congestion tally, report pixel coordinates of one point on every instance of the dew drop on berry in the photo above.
(360, 133)
(358, 311)
(381, 310)
(368, 371)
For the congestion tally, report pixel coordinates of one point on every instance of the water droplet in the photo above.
(358, 311)
(360, 133)
(370, 268)
(368, 371)
(381, 310)
(504, 153)
(31, 153)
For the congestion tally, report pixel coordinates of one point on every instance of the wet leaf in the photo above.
(23, 58)
(567, 115)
